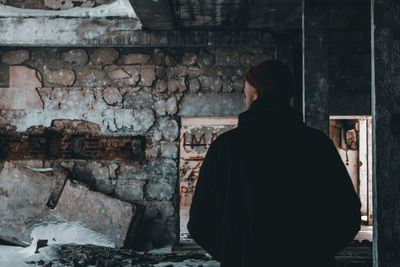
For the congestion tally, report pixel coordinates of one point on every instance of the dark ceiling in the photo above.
(272, 15)
(219, 14)
(243, 15)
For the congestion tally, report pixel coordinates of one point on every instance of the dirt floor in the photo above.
(359, 254)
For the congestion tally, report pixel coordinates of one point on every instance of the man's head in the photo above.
(270, 78)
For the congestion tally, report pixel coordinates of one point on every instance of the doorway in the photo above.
(196, 135)
(352, 136)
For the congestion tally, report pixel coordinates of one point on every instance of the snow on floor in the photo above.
(118, 8)
(55, 233)
(365, 233)
(187, 263)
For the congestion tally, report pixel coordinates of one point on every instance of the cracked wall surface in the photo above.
(54, 4)
(124, 91)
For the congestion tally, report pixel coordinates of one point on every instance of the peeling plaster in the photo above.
(119, 8)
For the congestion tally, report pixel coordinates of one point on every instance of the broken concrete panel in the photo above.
(99, 212)
(212, 105)
(65, 77)
(91, 173)
(169, 150)
(129, 189)
(111, 95)
(75, 56)
(104, 56)
(28, 79)
(134, 59)
(162, 191)
(189, 58)
(106, 187)
(59, 176)
(15, 57)
(24, 194)
(169, 129)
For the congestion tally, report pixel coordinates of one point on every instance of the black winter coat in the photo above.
(273, 192)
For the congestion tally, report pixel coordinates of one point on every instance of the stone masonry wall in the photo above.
(125, 91)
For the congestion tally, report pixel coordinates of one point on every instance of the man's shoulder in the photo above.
(225, 138)
(317, 138)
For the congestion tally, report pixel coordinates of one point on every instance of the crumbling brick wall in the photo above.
(126, 92)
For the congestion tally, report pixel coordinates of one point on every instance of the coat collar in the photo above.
(270, 110)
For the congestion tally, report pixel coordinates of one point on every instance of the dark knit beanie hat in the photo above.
(272, 77)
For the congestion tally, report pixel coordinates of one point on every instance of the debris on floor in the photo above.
(29, 198)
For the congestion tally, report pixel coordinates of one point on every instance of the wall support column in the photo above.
(315, 64)
(386, 116)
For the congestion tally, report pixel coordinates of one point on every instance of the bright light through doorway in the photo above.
(352, 136)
